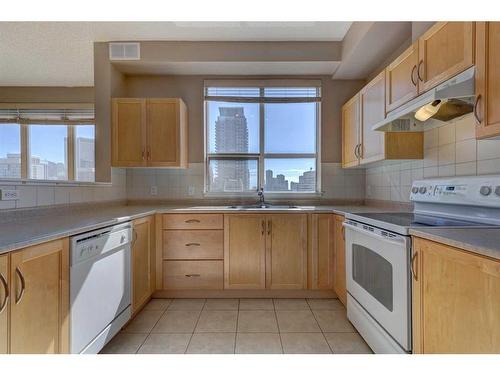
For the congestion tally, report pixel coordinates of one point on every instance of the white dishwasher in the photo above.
(99, 287)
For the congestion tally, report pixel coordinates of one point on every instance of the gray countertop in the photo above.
(31, 230)
(483, 241)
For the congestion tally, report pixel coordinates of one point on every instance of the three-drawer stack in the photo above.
(193, 251)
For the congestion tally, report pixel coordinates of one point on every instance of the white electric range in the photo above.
(379, 257)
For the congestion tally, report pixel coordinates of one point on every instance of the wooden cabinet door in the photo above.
(340, 272)
(4, 304)
(457, 304)
(372, 102)
(39, 314)
(487, 79)
(445, 50)
(286, 264)
(350, 132)
(244, 251)
(142, 247)
(166, 125)
(401, 79)
(128, 133)
(323, 251)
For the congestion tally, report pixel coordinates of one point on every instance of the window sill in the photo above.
(27, 182)
(268, 195)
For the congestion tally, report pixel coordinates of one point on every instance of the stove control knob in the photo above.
(485, 190)
(414, 190)
(422, 190)
(497, 191)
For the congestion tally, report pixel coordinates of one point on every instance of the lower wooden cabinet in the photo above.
(322, 264)
(193, 274)
(456, 300)
(39, 303)
(339, 259)
(142, 261)
(4, 304)
(244, 251)
(286, 242)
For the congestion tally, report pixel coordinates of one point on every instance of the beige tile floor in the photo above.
(244, 326)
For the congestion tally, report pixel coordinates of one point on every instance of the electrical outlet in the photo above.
(191, 190)
(9, 195)
(153, 190)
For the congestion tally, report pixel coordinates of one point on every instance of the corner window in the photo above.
(47, 145)
(262, 137)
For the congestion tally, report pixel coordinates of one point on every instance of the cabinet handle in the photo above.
(148, 153)
(190, 221)
(192, 244)
(412, 265)
(6, 290)
(193, 275)
(476, 103)
(360, 150)
(269, 227)
(413, 71)
(356, 151)
(23, 285)
(343, 232)
(143, 154)
(421, 62)
(263, 227)
(135, 237)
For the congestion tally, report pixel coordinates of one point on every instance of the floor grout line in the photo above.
(196, 325)
(322, 332)
(151, 331)
(279, 331)
(236, 329)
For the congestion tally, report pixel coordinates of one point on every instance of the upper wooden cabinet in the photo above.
(39, 303)
(286, 243)
(487, 111)
(401, 80)
(372, 99)
(142, 261)
(149, 133)
(4, 304)
(444, 50)
(456, 300)
(350, 133)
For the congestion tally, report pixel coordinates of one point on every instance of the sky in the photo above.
(47, 142)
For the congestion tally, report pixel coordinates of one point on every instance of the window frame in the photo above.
(262, 155)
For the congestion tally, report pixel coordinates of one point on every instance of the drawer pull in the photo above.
(192, 244)
(6, 291)
(190, 221)
(23, 285)
(193, 275)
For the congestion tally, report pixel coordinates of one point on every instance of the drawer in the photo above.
(193, 244)
(193, 274)
(193, 221)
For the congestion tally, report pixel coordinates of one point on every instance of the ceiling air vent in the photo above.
(124, 51)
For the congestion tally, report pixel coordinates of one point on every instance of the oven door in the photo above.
(378, 277)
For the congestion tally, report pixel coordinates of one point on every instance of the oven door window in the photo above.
(374, 274)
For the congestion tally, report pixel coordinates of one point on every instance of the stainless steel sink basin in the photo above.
(261, 207)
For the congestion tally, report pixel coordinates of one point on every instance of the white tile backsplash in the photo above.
(449, 150)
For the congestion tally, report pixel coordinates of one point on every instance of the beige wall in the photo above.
(190, 89)
(32, 94)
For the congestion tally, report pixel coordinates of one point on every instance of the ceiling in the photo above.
(61, 53)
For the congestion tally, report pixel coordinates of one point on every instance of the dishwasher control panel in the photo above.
(93, 244)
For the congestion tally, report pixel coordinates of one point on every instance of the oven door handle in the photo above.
(398, 239)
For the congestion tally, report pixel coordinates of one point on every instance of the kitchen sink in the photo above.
(262, 207)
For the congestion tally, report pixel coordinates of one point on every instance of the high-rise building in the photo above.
(10, 166)
(231, 136)
(84, 159)
(277, 183)
(307, 182)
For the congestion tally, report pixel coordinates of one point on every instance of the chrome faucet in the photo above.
(260, 193)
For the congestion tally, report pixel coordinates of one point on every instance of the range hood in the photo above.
(450, 99)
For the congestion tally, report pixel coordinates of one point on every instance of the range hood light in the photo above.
(428, 110)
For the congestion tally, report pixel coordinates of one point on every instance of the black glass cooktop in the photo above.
(409, 220)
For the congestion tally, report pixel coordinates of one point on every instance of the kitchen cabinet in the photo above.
(142, 261)
(350, 132)
(444, 50)
(360, 144)
(193, 274)
(456, 300)
(39, 303)
(401, 80)
(244, 251)
(322, 272)
(149, 132)
(339, 259)
(486, 111)
(4, 304)
(286, 251)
